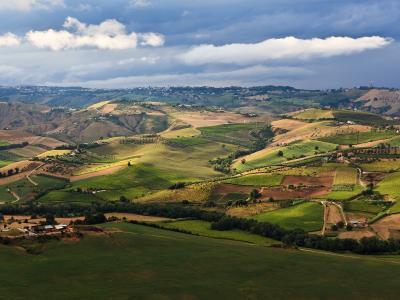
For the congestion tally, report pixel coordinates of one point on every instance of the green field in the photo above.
(344, 195)
(27, 191)
(4, 143)
(360, 117)
(190, 162)
(268, 157)
(359, 137)
(188, 141)
(147, 263)
(307, 216)
(362, 206)
(313, 114)
(345, 176)
(132, 182)
(390, 186)
(203, 228)
(4, 163)
(381, 166)
(257, 180)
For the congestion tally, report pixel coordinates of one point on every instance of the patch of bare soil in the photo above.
(204, 119)
(280, 193)
(326, 181)
(373, 178)
(333, 215)
(109, 108)
(388, 227)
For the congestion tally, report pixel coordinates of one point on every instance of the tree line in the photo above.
(219, 221)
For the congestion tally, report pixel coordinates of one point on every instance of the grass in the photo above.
(343, 195)
(307, 216)
(203, 228)
(149, 263)
(4, 163)
(27, 191)
(191, 162)
(364, 206)
(345, 176)
(269, 156)
(359, 137)
(53, 153)
(28, 151)
(4, 143)
(67, 197)
(132, 182)
(237, 134)
(390, 186)
(381, 166)
(313, 114)
(188, 141)
(185, 132)
(360, 117)
(257, 180)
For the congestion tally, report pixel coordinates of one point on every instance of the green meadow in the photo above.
(307, 216)
(140, 262)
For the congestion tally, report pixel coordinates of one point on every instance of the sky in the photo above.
(314, 44)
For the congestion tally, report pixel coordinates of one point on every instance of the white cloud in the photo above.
(110, 35)
(9, 40)
(25, 5)
(281, 48)
(140, 3)
(152, 39)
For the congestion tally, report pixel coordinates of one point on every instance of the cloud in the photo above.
(253, 75)
(281, 49)
(152, 39)
(9, 40)
(140, 3)
(25, 5)
(109, 35)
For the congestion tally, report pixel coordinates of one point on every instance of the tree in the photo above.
(349, 227)
(280, 153)
(243, 161)
(254, 195)
(50, 220)
(123, 199)
(334, 227)
(340, 224)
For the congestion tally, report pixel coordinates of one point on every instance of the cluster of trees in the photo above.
(74, 209)
(9, 172)
(14, 146)
(300, 238)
